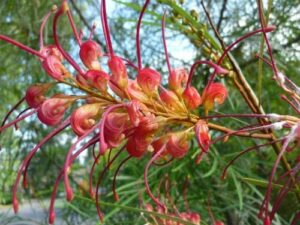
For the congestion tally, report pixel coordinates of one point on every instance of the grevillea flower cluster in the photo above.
(140, 115)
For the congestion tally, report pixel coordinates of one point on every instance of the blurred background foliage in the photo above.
(232, 200)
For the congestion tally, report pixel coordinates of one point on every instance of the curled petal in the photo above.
(135, 92)
(97, 79)
(215, 93)
(119, 74)
(170, 99)
(202, 135)
(51, 50)
(136, 111)
(177, 145)
(54, 68)
(137, 145)
(191, 97)
(35, 94)
(114, 127)
(158, 144)
(177, 80)
(148, 125)
(149, 80)
(84, 118)
(90, 52)
(52, 110)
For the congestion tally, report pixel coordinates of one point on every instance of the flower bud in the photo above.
(35, 94)
(84, 118)
(137, 145)
(119, 76)
(215, 93)
(177, 145)
(170, 99)
(177, 80)
(54, 68)
(158, 144)
(97, 79)
(115, 124)
(52, 110)
(90, 52)
(191, 98)
(51, 50)
(136, 111)
(149, 80)
(135, 92)
(202, 135)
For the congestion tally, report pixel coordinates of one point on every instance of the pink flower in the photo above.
(135, 92)
(119, 76)
(137, 145)
(35, 94)
(51, 50)
(84, 118)
(178, 145)
(97, 79)
(170, 99)
(52, 110)
(214, 93)
(115, 124)
(191, 97)
(54, 68)
(90, 52)
(149, 80)
(178, 79)
(202, 135)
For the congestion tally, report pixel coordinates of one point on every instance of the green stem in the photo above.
(261, 51)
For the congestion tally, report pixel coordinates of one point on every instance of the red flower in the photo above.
(178, 145)
(149, 80)
(90, 52)
(54, 68)
(214, 93)
(177, 80)
(52, 110)
(202, 135)
(83, 118)
(119, 77)
(97, 79)
(191, 97)
(35, 94)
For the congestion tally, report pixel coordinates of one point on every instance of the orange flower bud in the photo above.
(138, 144)
(97, 79)
(115, 124)
(52, 110)
(202, 135)
(149, 80)
(178, 145)
(135, 92)
(90, 52)
(191, 98)
(215, 93)
(119, 74)
(83, 118)
(177, 80)
(170, 99)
